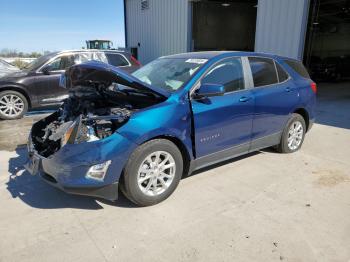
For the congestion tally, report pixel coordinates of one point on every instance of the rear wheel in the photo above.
(13, 105)
(293, 135)
(153, 172)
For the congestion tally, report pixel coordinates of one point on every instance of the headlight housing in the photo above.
(68, 134)
(77, 133)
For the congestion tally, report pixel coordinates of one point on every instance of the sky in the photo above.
(53, 25)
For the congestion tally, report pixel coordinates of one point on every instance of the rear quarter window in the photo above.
(298, 67)
(116, 59)
(282, 75)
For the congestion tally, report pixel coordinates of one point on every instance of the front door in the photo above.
(222, 123)
(50, 91)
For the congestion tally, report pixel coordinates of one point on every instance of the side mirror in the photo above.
(46, 70)
(209, 90)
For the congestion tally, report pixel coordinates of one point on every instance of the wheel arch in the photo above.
(303, 112)
(186, 158)
(181, 146)
(19, 90)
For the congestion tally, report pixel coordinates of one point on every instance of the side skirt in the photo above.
(255, 145)
(266, 141)
(220, 156)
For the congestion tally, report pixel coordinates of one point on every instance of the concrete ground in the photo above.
(261, 207)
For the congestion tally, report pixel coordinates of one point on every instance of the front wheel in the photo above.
(153, 172)
(13, 105)
(293, 135)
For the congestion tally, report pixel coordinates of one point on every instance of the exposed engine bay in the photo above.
(96, 107)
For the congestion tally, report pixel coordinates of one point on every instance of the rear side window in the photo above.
(263, 70)
(100, 56)
(83, 57)
(282, 75)
(298, 67)
(116, 59)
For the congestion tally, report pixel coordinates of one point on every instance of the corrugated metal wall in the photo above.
(281, 27)
(162, 29)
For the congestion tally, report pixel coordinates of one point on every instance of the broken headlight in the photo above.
(68, 135)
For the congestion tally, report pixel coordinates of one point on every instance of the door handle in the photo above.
(244, 99)
(288, 89)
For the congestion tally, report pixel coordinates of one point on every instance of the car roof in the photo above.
(90, 50)
(222, 54)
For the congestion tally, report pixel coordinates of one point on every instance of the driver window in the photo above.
(228, 73)
(56, 64)
(61, 63)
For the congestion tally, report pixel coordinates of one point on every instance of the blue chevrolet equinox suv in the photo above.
(142, 132)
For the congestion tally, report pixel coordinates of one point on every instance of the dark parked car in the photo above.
(38, 85)
(330, 68)
(179, 113)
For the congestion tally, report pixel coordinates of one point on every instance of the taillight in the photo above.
(314, 87)
(135, 61)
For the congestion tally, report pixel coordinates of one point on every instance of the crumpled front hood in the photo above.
(101, 72)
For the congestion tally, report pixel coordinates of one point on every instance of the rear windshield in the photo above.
(298, 67)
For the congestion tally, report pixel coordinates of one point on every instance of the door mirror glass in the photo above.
(209, 90)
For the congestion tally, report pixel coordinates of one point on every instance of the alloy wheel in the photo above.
(295, 135)
(11, 105)
(156, 173)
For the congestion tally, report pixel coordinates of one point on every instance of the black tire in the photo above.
(283, 146)
(18, 95)
(129, 183)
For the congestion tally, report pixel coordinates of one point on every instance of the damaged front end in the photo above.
(57, 130)
(101, 99)
(78, 148)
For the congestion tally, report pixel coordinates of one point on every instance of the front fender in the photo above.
(170, 118)
(16, 87)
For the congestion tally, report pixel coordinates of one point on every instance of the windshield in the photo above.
(39, 62)
(169, 73)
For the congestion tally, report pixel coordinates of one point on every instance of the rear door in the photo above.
(224, 122)
(275, 98)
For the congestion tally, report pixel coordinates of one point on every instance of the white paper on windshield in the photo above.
(175, 84)
(196, 60)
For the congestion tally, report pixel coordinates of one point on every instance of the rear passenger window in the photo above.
(116, 59)
(282, 75)
(298, 67)
(100, 56)
(228, 73)
(83, 57)
(263, 70)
